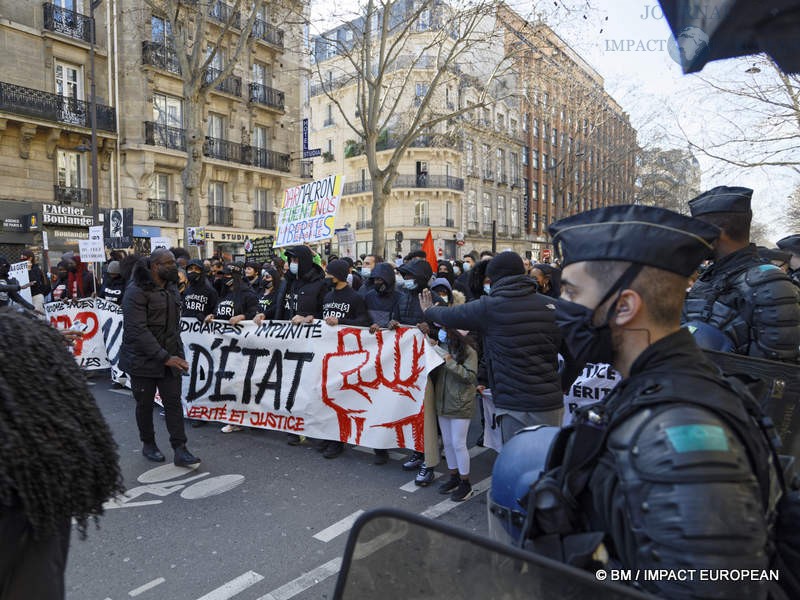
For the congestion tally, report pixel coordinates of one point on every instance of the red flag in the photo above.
(430, 251)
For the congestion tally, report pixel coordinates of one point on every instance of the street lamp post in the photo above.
(93, 113)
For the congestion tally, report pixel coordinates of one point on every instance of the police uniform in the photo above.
(791, 244)
(659, 472)
(750, 300)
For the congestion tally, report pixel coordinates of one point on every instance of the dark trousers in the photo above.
(169, 387)
(31, 568)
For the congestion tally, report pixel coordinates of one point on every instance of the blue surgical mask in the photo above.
(365, 272)
(456, 271)
(442, 336)
(487, 288)
(293, 268)
(467, 267)
(409, 284)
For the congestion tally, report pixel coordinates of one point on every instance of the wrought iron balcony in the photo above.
(162, 210)
(222, 149)
(423, 180)
(364, 224)
(265, 32)
(156, 134)
(328, 122)
(422, 221)
(357, 187)
(52, 107)
(449, 223)
(73, 196)
(68, 22)
(160, 56)
(266, 159)
(472, 227)
(267, 96)
(263, 219)
(225, 14)
(220, 215)
(230, 85)
(502, 230)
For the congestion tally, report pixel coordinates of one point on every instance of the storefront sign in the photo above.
(73, 216)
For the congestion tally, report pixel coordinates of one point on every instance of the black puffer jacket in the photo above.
(151, 324)
(305, 291)
(520, 342)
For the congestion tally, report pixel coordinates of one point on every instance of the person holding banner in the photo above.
(10, 287)
(152, 352)
(40, 284)
(199, 298)
(274, 287)
(239, 302)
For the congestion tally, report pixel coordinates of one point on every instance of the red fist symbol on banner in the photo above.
(352, 376)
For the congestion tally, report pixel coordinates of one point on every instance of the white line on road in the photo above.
(412, 487)
(337, 529)
(305, 581)
(437, 510)
(122, 392)
(147, 586)
(234, 586)
(477, 451)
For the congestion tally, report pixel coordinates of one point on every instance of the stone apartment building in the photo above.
(45, 124)
(251, 123)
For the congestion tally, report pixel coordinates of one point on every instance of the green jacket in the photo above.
(454, 385)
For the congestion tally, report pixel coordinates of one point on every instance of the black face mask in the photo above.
(228, 281)
(169, 274)
(268, 283)
(586, 342)
(193, 276)
(381, 287)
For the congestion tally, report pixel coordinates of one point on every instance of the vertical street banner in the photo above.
(308, 212)
(335, 383)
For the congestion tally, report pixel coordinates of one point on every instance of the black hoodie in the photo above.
(305, 292)
(383, 306)
(410, 310)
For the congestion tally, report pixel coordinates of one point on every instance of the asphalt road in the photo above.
(257, 520)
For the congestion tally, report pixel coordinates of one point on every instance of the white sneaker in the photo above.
(231, 428)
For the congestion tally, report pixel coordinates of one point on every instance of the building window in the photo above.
(216, 126)
(216, 193)
(421, 212)
(486, 155)
(501, 214)
(160, 31)
(486, 208)
(469, 156)
(472, 211)
(260, 74)
(263, 201)
(545, 192)
(69, 81)
(260, 138)
(525, 156)
(448, 214)
(536, 128)
(421, 90)
(514, 160)
(160, 186)
(536, 221)
(554, 137)
(501, 165)
(515, 216)
(69, 167)
(167, 110)
(424, 20)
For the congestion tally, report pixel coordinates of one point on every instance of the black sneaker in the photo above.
(322, 445)
(463, 491)
(333, 449)
(414, 462)
(451, 484)
(425, 476)
(293, 439)
(381, 457)
(184, 458)
(195, 423)
(151, 452)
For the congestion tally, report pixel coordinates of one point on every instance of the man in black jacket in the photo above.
(305, 287)
(152, 351)
(520, 344)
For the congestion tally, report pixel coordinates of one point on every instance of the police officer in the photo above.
(791, 244)
(639, 474)
(753, 302)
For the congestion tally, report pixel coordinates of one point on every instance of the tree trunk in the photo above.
(191, 176)
(378, 218)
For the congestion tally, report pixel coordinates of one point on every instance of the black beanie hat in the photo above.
(339, 269)
(505, 264)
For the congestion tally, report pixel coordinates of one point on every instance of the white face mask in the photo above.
(456, 270)
(409, 284)
(487, 288)
(366, 272)
(293, 268)
(467, 267)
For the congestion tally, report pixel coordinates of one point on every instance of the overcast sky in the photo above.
(626, 42)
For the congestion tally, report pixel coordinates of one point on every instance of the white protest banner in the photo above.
(160, 242)
(88, 316)
(93, 249)
(19, 271)
(309, 211)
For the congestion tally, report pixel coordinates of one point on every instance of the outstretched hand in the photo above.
(425, 300)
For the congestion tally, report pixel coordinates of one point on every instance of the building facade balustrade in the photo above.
(265, 32)
(156, 134)
(73, 196)
(220, 215)
(263, 219)
(267, 96)
(230, 85)
(68, 22)
(364, 224)
(160, 56)
(162, 210)
(421, 181)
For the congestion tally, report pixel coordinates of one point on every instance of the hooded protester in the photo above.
(367, 268)
(273, 286)
(58, 459)
(462, 282)
(548, 278)
(445, 270)
(59, 291)
(521, 342)
(305, 287)
(113, 288)
(342, 305)
(80, 282)
(199, 298)
(10, 287)
(239, 302)
(383, 299)
(152, 352)
(416, 277)
(40, 282)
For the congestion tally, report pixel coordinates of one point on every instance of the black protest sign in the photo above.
(260, 249)
(118, 228)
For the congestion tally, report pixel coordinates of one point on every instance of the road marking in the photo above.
(477, 451)
(437, 510)
(305, 581)
(121, 392)
(412, 487)
(392, 455)
(337, 529)
(147, 586)
(233, 587)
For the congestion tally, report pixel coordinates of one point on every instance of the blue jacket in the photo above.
(520, 342)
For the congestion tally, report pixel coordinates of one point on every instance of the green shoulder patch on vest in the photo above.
(698, 438)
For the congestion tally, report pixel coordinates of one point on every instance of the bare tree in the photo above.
(200, 31)
(793, 210)
(374, 55)
(760, 116)
(667, 178)
(759, 234)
